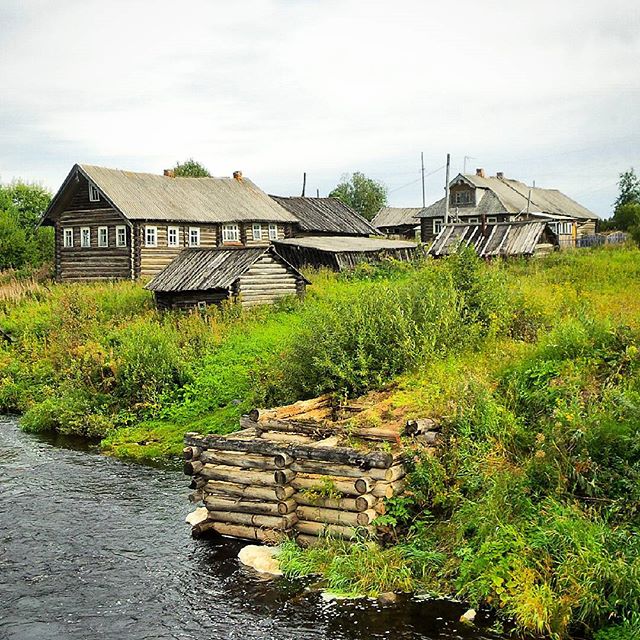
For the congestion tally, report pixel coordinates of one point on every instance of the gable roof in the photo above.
(501, 240)
(511, 196)
(213, 268)
(396, 217)
(147, 196)
(326, 215)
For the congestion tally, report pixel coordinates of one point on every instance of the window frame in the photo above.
(492, 220)
(473, 220)
(230, 232)
(150, 228)
(457, 197)
(273, 231)
(197, 232)
(106, 240)
(94, 193)
(256, 226)
(440, 223)
(121, 228)
(82, 232)
(175, 230)
(65, 244)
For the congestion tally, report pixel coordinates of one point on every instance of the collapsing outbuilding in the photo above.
(200, 277)
(504, 239)
(340, 253)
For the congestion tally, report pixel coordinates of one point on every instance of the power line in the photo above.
(426, 175)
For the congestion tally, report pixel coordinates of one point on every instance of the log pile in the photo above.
(296, 471)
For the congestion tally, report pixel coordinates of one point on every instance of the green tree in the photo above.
(30, 201)
(14, 248)
(363, 194)
(190, 169)
(22, 242)
(629, 186)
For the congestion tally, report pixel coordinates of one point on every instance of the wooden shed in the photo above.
(340, 253)
(200, 277)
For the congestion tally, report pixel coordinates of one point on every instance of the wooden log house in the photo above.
(113, 224)
(474, 199)
(200, 277)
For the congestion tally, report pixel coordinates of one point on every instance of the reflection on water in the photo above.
(91, 547)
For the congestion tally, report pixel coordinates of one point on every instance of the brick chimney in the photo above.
(480, 173)
(500, 175)
(238, 175)
(169, 173)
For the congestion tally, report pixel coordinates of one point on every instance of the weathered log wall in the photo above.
(286, 474)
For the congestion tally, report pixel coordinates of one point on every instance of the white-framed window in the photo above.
(437, 225)
(173, 236)
(194, 236)
(565, 228)
(85, 236)
(256, 231)
(67, 238)
(121, 236)
(273, 232)
(230, 233)
(103, 236)
(151, 236)
(492, 220)
(94, 194)
(473, 221)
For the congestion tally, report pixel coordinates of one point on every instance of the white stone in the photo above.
(262, 559)
(196, 517)
(468, 616)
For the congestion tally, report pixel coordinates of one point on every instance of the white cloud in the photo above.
(276, 87)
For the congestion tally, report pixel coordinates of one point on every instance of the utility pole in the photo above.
(446, 191)
(424, 202)
(317, 193)
(304, 183)
(464, 163)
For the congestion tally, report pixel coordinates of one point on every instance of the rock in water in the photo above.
(262, 559)
(468, 616)
(387, 598)
(197, 516)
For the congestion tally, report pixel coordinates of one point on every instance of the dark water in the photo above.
(91, 547)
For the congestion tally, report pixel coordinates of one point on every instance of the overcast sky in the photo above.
(546, 90)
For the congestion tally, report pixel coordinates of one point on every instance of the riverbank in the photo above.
(532, 368)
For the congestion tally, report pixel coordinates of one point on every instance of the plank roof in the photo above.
(396, 217)
(502, 239)
(326, 215)
(342, 244)
(197, 269)
(148, 196)
(504, 195)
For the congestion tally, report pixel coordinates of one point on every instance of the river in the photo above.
(92, 547)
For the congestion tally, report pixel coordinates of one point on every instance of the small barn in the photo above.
(398, 222)
(200, 277)
(500, 240)
(325, 216)
(340, 253)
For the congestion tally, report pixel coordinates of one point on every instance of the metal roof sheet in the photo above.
(342, 244)
(396, 217)
(512, 196)
(147, 196)
(326, 215)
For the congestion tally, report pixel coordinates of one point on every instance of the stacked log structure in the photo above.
(298, 471)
